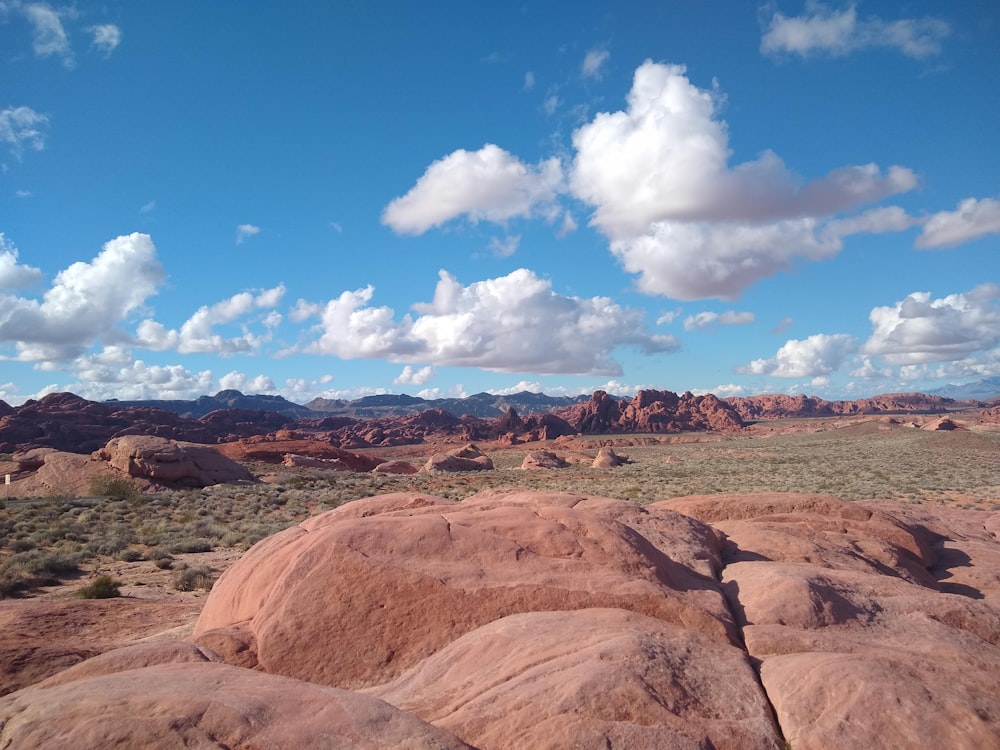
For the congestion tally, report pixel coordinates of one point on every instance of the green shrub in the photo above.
(196, 577)
(130, 555)
(191, 545)
(114, 487)
(102, 587)
(164, 563)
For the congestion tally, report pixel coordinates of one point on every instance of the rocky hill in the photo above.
(69, 423)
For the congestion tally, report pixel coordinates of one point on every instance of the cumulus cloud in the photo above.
(593, 61)
(513, 323)
(678, 215)
(86, 302)
(485, 185)
(813, 357)
(919, 329)
(237, 381)
(21, 128)
(197, 335)
(696, 260)
(12, 274)
(105, 37)
(665, 158)
(823, 30)
(708, 319)
(245, 230)
(411, 376)
(971, 220)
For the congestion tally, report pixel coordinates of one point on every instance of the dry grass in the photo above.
(49, 539)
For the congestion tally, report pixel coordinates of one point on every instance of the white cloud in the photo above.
(106, 37)
(48, 35)
(551, 104)
(825, 31)
(708, 319)
(489, 184)
(971, 220)
(529, 81)
(696, 260)
(506, 247)
(593, 61)
(513, 323)
(813, 357)
(729, 389)
(237, 381)
(86, 302)
(245, 230)
(113, 373)
(665, 158)
(531, 386)
(874, 221)
(410, 376)
(197, 334)
(22, 127)
(867, 370)
(568, 225)
(919, 329)
(12, 274)
(148, 207)
(678, 215)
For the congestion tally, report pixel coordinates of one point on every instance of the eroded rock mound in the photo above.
(543, 460)
(395, 467)
(209, 705)
(607, 458)
(875, 624)
(467, 458)
(167, 462)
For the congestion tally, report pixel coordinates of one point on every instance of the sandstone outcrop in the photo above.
(543, 460)
(167, 462)
(653, 412)
(206, 705)
(395, 467)
(782, 406)
(871, 627)
(466, 458)
(606, 458)
(550, 620)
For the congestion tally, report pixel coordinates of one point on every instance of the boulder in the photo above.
(543, 460)
(607, 458)
(467, 458)
(330, 464)
(165, 461)
(395, 467)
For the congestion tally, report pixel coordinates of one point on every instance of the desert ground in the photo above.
(777, 504)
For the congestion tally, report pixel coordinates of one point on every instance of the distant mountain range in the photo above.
(483, 405)
(986, 389)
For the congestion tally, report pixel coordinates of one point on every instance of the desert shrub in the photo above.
(102, 587)
(114, 487)
(130, 554)
(195, 577)
(21, 545)
(190, 545)
(164, 563)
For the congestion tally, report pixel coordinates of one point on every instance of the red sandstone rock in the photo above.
(875, 623)
(588, 678)
(167, 462)
(467, 458)
(607, 458)
(206, 705)
(331, 464)
(543, 460)
(356, 595)
(395, 467)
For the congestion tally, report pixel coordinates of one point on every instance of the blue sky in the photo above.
(443, 198)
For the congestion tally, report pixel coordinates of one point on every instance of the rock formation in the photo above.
(170, 463)
(467, 458)
(607, 458)
(552, 620)
(543, 460)
(651, 411)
